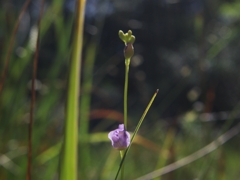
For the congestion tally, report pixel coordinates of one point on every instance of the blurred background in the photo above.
(188, 49)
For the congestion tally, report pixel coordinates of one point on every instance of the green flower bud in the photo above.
(128, 40)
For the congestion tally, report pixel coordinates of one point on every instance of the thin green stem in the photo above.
(122, 170)
(127, 62)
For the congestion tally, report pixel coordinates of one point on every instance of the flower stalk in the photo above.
(120, 138)
(127, 62)
(128, 40)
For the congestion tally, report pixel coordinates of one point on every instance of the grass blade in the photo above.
(69, 161)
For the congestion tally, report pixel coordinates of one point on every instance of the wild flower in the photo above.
(120, 138)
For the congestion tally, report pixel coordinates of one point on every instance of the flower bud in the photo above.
(128, 51)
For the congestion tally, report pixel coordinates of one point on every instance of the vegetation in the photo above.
(187, 50)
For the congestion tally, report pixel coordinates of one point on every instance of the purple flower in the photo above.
(120, 138)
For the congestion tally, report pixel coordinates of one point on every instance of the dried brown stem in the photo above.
(9, 51)
(34, 75)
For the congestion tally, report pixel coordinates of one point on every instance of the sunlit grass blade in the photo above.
(69, 159)
(135, 131)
